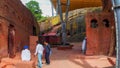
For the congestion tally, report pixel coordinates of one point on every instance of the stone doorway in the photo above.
(0, 34)
(11, 39)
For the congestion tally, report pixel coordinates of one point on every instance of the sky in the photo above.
(45, 6)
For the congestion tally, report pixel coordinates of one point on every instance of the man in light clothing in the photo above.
(26, 55)
(84, 47)
(39, 51)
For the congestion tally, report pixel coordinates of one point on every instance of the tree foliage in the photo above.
(33, 6)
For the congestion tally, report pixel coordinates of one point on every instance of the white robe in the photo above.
(84, 45)
(26, 55)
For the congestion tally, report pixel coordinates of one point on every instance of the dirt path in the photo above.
(62, 59)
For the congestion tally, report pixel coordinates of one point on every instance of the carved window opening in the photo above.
(0, 28)
(6, 7)
(34, 30)
(18, 17)
(11, 39)
(14, 13)
(94, 23)
(106, 23)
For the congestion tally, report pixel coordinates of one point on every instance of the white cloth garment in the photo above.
(39, 49)
(84, 44)
(26, 55)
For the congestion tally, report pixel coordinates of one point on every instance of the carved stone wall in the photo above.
(99, 27)
(13, 12)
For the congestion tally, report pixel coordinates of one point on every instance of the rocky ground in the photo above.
(71, 58)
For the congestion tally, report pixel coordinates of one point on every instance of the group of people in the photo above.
(26, 55)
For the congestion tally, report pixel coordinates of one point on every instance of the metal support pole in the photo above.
(57, 12)
(63, 22)
(52, 8)
(67, 9)
(60, 10)
(116, 8)
(66, 19)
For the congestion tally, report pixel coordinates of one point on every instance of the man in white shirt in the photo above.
(26, 55)
(39, 51)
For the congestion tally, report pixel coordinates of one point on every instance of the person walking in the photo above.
(39, 52)
(47, 52)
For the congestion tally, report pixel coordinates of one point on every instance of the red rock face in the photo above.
(99, 34)
(13, 12)
(107, 4)
(33, 43)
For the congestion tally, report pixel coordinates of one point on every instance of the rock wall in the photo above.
(99, 28)
(13, 12)
(107, 5)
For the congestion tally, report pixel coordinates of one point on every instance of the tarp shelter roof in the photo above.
(77, 4)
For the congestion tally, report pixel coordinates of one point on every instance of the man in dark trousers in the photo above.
(47, 52)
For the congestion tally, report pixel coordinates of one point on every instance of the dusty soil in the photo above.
(71, 58)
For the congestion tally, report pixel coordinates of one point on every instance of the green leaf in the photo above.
(33, 6)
